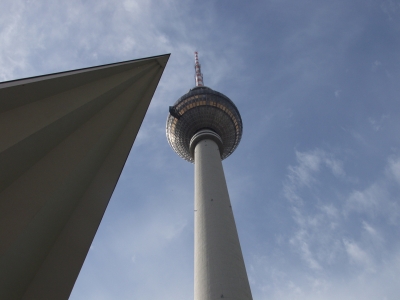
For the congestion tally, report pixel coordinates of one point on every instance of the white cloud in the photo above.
(308, 164)
(300, 242)
(12, 52)
(377, 123)
(317, 220)
(335, 166)
(368, 285)
(376, 65)
(366, 201)
(394, 168)
(358, 255)
(391, 8)
(134, 6)
(319, 238)
(373, 235)
(378, 199)
(330, 211)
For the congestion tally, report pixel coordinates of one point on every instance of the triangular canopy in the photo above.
(64, 139)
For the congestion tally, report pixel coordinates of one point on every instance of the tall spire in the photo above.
(198, 76)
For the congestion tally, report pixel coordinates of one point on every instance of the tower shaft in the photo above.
(219, 266)
(205, 127)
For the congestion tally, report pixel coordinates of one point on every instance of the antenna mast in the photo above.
(198, 76)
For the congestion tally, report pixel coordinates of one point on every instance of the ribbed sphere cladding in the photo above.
(203, 108)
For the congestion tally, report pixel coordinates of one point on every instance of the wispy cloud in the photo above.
(378, 123)
(380, 198)
(320, 238)
(368, 200)
(358, 255)
(301, 242)
(394, 168)
(308, 165)
(313, 238)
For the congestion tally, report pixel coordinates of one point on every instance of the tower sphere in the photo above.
(203, 108)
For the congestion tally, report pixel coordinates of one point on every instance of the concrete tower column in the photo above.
(219, 268)
(192, 126)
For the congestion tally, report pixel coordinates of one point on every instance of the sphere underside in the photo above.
(203, 108)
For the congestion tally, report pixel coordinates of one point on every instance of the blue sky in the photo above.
(315, 182)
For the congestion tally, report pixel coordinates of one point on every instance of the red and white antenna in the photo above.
(198, 76)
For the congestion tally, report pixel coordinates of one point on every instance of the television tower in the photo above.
(204, 127)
